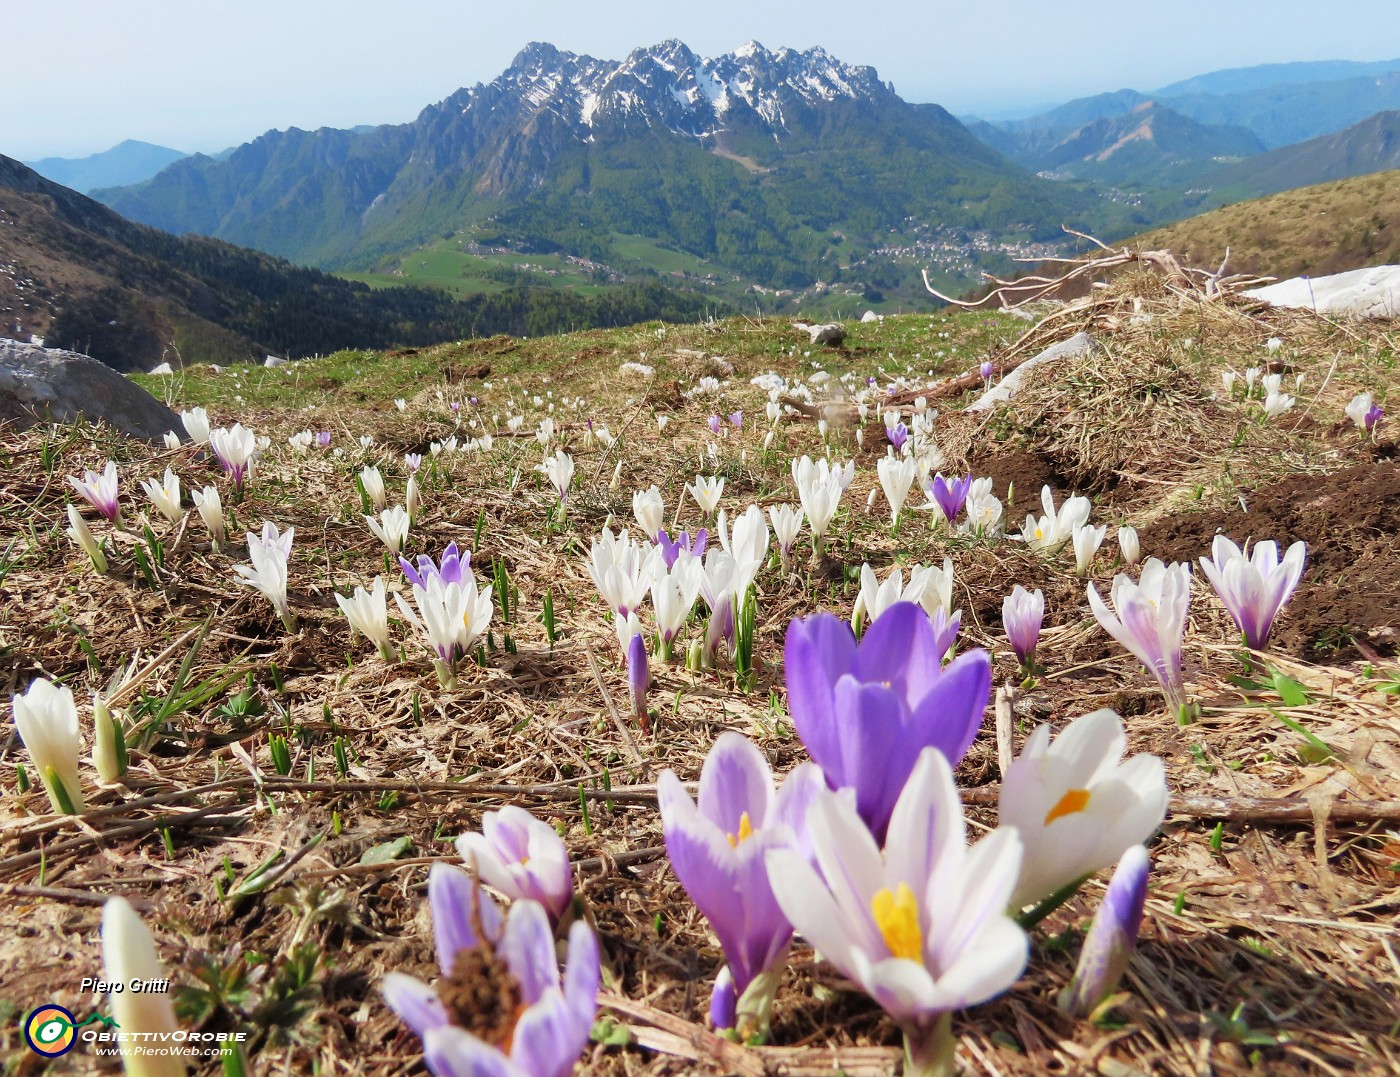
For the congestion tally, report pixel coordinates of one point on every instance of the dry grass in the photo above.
(1268, 948)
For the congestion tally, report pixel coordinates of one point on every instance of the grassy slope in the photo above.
(1245, 915)
(1328, 228)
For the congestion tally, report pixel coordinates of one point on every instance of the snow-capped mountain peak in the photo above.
(667, 85)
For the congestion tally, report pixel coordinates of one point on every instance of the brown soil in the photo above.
(1345, 607)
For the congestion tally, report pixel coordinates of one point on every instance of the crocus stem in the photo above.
(755, 1009)
(447, 677)
(1040, 911)
(931, 1052)
(386, 652)
(289, 621)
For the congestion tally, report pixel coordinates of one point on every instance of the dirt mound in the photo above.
(1345, 608)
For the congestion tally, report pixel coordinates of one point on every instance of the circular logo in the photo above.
(49, 1031)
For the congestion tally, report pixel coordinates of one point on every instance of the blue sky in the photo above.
(206, 74)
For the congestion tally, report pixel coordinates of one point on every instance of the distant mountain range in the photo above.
(780, 167)
(125, 163)
(79, 276)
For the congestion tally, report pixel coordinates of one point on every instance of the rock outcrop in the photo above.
(50, 385)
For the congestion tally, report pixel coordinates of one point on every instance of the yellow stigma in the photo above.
(745, 831)
(1076, 800)
(1039, 533)
(897, 917)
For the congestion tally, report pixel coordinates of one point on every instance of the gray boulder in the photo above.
(50, 385)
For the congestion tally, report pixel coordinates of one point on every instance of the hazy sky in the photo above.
(206, 74)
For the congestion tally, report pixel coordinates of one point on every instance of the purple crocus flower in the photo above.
(1255, 588)
(865, 711)
(736, 419)
(986, 369)
(1374, 414)
(714, 424)
(717, 848)
(551, 1025)
(1112, 935)
(1022, 614)
(456, 406)
(897, 434)
(671, 550)
(323, 438)
(638, 680)
(950, 496)
(413, 461)
(449, 571)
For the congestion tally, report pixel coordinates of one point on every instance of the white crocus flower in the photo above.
(82, 535)
(981, 514)
(144, 1017)
(621, 570)
(301, 442)
(1228, 379)
(412, 499)
(522, 857)
(267, 571)
(171, 440)
(819, 487)
(1272, 383)
(707, 490)
(372, 482)
(1251, 379)
(750, 539)
(211, 511)
(1358, 408)
(165, 495)
(921, 926)
(1055, 528)
(368, 614)
(1077, 804)
(897, 477)
(196, 422)
(787, 525)
(391, 528)
(723, 583)
(650, 510)
(544, 433)
(1128, 545)
(235, 447)
(47, 722)
(1277, 403)
(454, 616)
(1086, 539)
(559, 470)
(673, 595)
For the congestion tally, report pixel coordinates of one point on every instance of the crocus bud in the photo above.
(82, 535)
(1022, 613)
(108, 743)
(1128, 545)
(211, 511)
(638, 680)
(47, 721)
(723, 1001)
(129, 956)
(616, 476)
(412, 499)
(1112, 936)
(986, 370)
(171, 439)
